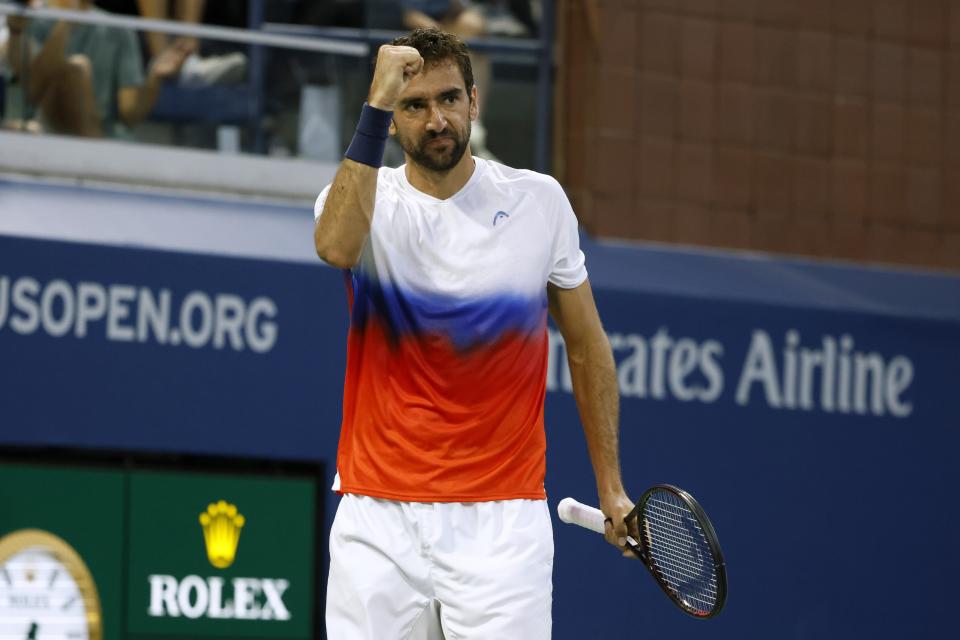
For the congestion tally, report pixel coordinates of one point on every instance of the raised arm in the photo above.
(597, 394)
(344, 224)
(135, 101)
(44, 67)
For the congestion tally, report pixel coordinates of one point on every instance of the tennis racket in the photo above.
(677, 545)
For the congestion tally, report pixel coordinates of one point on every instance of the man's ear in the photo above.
(474, 105)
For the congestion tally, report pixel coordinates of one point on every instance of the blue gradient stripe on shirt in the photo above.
(467, 322)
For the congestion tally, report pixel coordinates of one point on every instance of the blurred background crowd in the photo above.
(820, 128)
(94, 80)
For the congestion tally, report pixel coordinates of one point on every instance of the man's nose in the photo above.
(437, 122)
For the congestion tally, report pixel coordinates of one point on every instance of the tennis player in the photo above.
(452, 263)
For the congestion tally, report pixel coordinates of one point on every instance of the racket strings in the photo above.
(679, 551)
(693, 578)
(679, 541)
(675, 553)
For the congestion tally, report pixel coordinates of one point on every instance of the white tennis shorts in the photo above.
(428, 571)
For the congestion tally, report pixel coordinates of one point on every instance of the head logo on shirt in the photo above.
(498, 216)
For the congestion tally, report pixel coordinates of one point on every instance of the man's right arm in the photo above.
(343, 226)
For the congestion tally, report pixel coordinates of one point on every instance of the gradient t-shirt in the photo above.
(447, 347)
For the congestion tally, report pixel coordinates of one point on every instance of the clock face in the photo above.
(39, 599)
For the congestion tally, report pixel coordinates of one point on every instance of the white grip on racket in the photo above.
(573, 512)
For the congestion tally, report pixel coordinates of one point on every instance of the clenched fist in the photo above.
(395, 67)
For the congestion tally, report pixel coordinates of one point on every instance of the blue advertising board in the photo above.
(133, 350)
(820, 438)
(821, 444)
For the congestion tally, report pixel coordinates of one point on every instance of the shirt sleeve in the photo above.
(36, 34)
(321, 200)
(130, 64)
(568, 264)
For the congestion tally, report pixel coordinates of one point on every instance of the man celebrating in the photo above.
(453, 263)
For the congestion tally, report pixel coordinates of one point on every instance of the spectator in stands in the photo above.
(196, 71)
(186, 11)
(447, 15)
(454, 17)
(510, 18)
(87, 80)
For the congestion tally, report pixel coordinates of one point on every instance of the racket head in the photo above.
(679, 546)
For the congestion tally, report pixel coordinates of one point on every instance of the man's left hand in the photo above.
(616, 505)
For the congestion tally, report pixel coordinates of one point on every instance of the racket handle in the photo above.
(573, 512)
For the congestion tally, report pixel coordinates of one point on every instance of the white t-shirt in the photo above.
(446, 364)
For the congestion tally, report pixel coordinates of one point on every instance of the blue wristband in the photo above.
(370, 139)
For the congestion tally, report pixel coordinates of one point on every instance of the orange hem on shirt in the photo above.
(386, 495)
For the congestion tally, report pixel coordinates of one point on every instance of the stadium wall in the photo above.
(801, 127)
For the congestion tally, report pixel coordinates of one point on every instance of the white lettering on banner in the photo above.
(163, 596)
(229, 310)
(850, 381)
(710, 353)
(683, 360)
(120, 298)
(196, 597)
(91, 306)
(125, 313)
(217, 609)
(273, 591)
(193, 597)
(261, 335)
(831, 377)
(153, 315)
(57, 300)
(23, 299)
(245, 594)
(4, 307)
(760, 366)
(196, 304)
(659, 368)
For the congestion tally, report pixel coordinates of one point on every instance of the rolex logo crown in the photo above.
(221, 532)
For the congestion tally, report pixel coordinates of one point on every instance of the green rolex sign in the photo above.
(220, 556)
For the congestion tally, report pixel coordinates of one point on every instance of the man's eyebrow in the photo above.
(455, 92)
(405, 102)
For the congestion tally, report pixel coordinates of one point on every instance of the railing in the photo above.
(171, 27)
(538, 53)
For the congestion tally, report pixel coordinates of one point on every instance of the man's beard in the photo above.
(433, 161)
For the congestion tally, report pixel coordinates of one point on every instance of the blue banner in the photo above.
(168, 352)
(821, 442)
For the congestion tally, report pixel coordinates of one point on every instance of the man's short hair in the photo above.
(437, 47)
